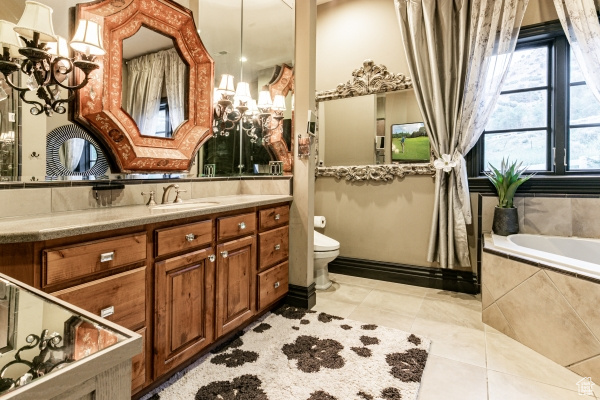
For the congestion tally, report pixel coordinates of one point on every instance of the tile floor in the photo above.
(468, 359)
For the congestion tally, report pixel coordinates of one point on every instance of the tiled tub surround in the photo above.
(52, 197)
(547, 309)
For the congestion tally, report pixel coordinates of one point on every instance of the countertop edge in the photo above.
(30, 235)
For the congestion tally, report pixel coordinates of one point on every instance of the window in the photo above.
(546, 116)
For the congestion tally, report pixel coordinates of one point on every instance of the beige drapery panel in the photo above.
(458, 53)
(175, 80)
(579, 19)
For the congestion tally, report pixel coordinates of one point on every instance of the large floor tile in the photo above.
(334, 307)
(406, 289)
(377, 316)
(355, 280)
(453, 313)
(509, 356)
(504, 386)
(451, 341)
(462, 298)
(344, 292)
(405, 304)
(452, 380)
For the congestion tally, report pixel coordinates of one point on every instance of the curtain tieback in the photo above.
(445, 162)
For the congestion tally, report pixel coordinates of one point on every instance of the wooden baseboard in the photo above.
(302, 296)
(436, 278)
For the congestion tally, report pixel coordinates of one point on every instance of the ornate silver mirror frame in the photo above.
(371, 79)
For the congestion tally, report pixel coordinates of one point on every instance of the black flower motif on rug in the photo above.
(369, 340)
(245, 387)
(313, 353)
(234, 359)
(369, 327)
(326, 318)
(346, 327)
(391, 393)
(233, 343)
(362, 351)
(290, 312)
(414, 340)
(321, 395)
(261, 328)
(407, 366)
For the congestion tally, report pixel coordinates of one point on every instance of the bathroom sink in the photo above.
(183, 206)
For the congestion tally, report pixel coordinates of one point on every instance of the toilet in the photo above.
(326, 250)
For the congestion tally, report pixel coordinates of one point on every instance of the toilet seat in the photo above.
(324, 243)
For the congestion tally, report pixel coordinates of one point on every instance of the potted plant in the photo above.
(506, 181)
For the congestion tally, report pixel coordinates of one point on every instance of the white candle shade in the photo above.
(61, 44)
(264, 99)
(242, 92)
(88, 38)
(279, 103)
(226, 85)
(9, 38)
(37, 17)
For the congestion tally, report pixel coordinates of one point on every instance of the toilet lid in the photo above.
(324, 243)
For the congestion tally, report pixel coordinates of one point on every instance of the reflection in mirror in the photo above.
(154, 83)
(7, 316)
(77, 155)
(71, 152)
(8, 125)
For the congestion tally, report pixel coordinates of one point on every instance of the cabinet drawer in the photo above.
(67, 263)
(272, 285)
(273, 217)
(125, 292)
(273, 246)
(138, 365)
(238, 225)
(183, 237)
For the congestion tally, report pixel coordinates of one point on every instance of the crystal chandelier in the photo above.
(44, 58)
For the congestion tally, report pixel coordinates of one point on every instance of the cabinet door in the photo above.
(184, 308)
(236, 277)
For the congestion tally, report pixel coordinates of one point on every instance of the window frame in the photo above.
(556, 179)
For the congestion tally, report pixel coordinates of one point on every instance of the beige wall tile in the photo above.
(204, 189)
(590, 367)
(585, 214)
(548, 216)
(132, 195)
(493, 317)
(500, 275)
(488, 204)
(79, 198)
(250, 186)
(583, 296)
(486, 297)
(544, 321)
(228, 188)
(504, 386)
(452, 380)
(275, 186)
(25, 202)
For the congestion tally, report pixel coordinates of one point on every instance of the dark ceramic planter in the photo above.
(506, 221)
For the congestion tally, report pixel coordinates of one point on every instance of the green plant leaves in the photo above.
(507, 180)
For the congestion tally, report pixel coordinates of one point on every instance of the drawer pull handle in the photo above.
(190, 237)
(277, 216)
(211, 258)
(277, 246)
(108, 311)
(276, 285)
(105, 257)
(224, 254)
(242, 225)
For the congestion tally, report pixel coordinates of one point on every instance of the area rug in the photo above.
(297, 354)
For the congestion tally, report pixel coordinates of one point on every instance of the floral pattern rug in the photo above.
(297, 354)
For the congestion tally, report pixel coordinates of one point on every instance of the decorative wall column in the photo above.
(302, 292)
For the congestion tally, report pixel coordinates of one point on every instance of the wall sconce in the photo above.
(45, 56)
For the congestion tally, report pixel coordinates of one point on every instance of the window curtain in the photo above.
(175, 81)
(70, 153)
(579, 19)
(144, 85)
(458, 55)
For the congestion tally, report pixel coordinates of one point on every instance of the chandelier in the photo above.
(44, 58)
(233, 107)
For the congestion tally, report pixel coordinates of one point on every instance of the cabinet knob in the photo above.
(277, 246)
(105, 257)
(224, 254)
(276, 285)
(211, 258)
(242, 225)
(190, 237)
(277, 216)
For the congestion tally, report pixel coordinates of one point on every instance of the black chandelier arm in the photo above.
(12, 85)
(39, 107)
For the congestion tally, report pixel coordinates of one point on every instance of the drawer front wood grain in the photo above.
(67, 263)
(126, 292)
(238, 225)
(272, 217)
(273, 246)
(138, 365)
(184, 237)
(272, 285)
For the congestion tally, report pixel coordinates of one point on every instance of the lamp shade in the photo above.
(88, 38)
(59, 48)
(264, 99)
(37, 17)
(226, 85)
(9, 38)
(279, 103)
(242, 92)
(252, 109)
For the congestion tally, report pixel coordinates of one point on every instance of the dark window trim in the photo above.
(571, 182)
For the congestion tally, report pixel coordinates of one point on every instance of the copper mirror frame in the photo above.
(98, 105)
(282, 84)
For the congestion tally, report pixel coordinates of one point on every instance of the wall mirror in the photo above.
(355, 138)
(71, 151)
(268, 43)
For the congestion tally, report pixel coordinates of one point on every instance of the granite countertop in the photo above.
(71, 223)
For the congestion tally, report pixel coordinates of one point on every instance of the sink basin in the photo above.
(183, 206)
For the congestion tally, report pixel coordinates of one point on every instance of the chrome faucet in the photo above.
(167, 190)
